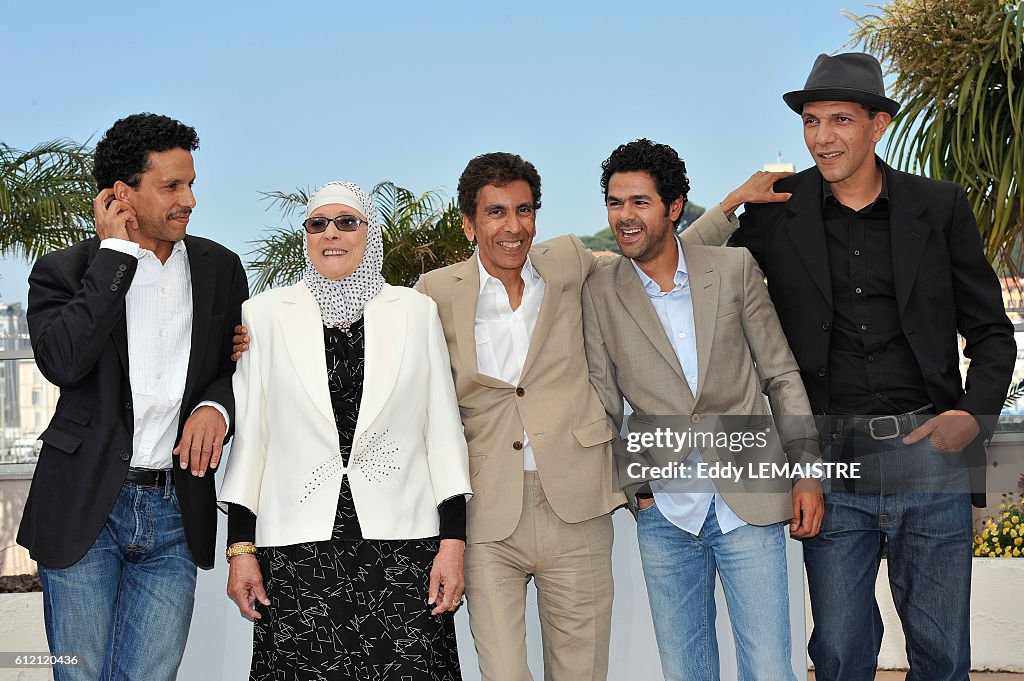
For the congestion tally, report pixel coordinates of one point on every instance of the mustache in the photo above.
(622, 224)
(180, 213)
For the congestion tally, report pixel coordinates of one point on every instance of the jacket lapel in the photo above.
(807, 231)
(385, 324)
(551, 272)
(203, 273)
(307, 350)
(465, 294)
(638, 305)
(704, 292)
(908, 236)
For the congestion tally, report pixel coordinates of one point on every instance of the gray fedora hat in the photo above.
(850, 77)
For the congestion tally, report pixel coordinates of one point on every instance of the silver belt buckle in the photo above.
(895, 426)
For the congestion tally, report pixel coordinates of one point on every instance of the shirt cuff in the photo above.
(123, 245)
(222, 410)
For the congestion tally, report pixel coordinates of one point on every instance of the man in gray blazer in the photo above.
(688, 333)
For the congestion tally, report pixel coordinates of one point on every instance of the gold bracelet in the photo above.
(238, 549)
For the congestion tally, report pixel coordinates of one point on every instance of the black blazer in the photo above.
(76, 318)
(943, 285)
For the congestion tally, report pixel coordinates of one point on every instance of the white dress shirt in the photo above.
(685, 502)
(158, 312)
(503, 334)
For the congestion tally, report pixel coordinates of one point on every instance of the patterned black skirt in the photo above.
(351, 608)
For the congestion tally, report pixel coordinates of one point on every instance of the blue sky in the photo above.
(288, 95)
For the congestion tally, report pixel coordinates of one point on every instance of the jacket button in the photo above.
(825, 326)
(128, 406)
(122, 267)
(695, 418)
(822, 372)
(113, 287)
(517, 445)
(125, 455)
(520, 391)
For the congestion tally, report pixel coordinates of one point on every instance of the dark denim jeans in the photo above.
(914, 499)
(125, 608)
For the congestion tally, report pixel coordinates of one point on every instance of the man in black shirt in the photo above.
(873, 272)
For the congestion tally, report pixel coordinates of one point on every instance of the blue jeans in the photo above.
(125, 608)
(915, 499)
(679, 569)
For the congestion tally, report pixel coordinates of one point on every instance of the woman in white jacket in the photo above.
(348, 477)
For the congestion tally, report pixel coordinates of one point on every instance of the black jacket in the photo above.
(76, 318)
(943, 283)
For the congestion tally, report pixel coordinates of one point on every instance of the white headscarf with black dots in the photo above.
(342, 301)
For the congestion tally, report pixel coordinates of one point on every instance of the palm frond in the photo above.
(959, 68)
(276, 259)
(46, 197)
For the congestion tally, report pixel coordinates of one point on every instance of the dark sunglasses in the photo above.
(343, 223)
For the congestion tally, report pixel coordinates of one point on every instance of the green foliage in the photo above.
(960, 78)
(421, 233)
(605, 241)
(46, 198)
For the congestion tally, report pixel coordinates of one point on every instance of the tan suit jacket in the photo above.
(553, 402)
(741, 351)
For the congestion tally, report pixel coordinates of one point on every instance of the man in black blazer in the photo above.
(873, 272)
(134, 326)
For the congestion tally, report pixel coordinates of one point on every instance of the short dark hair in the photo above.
(660, 161)
(123, 153)
(498, 168)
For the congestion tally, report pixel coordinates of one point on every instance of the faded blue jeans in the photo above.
(915, 499)
(679, 569)
(125, 608)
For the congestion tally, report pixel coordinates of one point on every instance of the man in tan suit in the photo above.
(687, 333)
(539, 441)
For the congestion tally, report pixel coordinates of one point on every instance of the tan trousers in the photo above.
(572, 566)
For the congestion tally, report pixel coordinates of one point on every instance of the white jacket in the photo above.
(408, 454)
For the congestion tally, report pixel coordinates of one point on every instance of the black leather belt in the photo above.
(885, 427)
(147, 477)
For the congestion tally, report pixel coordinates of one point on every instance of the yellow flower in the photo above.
(991, 555)
(1002, 506)
(1015, 519)
(1016, 553)
(1018, 541)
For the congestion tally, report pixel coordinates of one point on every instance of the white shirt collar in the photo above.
(681, 276)
(529, 273)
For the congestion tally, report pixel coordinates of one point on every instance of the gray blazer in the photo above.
(742, 355)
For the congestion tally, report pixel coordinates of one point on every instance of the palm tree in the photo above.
(421, 233)
(960, 77)
(46, 197)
